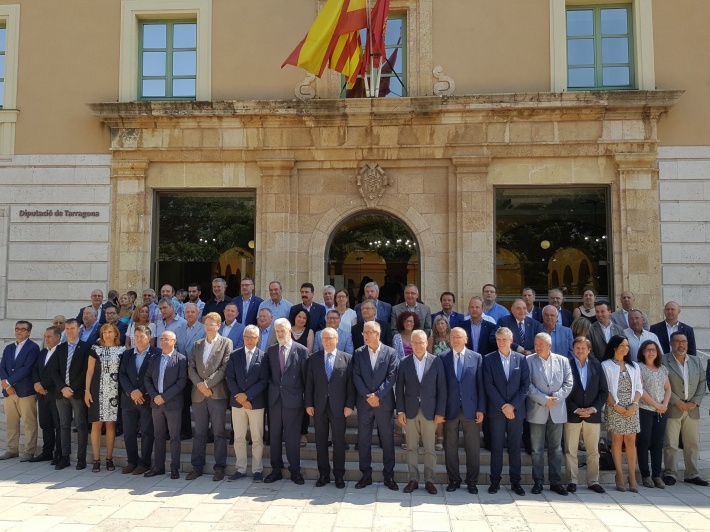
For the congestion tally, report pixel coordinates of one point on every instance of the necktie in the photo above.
(459, 366)
(249, 355)
(329, 365)
(521, 330)
(282, 358)
(71, 348)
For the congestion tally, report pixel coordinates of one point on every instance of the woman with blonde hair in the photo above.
(439, 341)
(141, 316)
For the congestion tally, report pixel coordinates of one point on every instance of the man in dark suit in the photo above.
(584, 415)
(135, 402)
(89, 331)
(230, 327)
(534, 311)
(556, 298)
(316, 311)
(447, 300)
(368, 311)
(603, 329)
(506, 379)
(465, 405)
(671, 324)
(287, 384)
(374, 374)
(164, 381)
(330, 399)
(69, 374)
(111, 314)
(621, 317)
(478, 329)
(247, 303)
(421, 404)
(207, 367)
(47, 396)
(412, 304)
(524, 329)
(382, 308)
(248, 378)
(97, 298)
(18, 361)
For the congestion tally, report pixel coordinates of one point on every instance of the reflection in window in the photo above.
(168, 60)
(550, 237)
(599, 47)
(3, 47)
(203, 235)
(394, 71)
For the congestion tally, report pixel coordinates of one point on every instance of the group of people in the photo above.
(530, 378)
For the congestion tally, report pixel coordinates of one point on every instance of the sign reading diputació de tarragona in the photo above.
(60, 213)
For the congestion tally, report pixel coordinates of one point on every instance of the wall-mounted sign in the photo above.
(63, 213)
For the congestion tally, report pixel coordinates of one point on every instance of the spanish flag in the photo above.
(336, 19)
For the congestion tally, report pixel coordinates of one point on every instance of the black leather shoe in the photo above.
(339, 483)
(669, 480)
(364, 481)
(391, 484)
(297, 478)
(62, 463)
(41, 458)
(273, 477)
(493, 488)
(571, 488)
(517, 489)
(56, 459)
(695, 480)
(322, 481)
(453, 486)
(174, 474)
(536, 489)
(597, 488)
(154, 473)
(80, 464)
(559, 489)
(473, 489)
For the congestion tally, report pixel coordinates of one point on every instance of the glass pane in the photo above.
(3, 32)
(580, 77)
(580, 22)
(615, 76)
(154, 63)
(153, 88)
(184, 63)
(394, 32)
(2, 93)
(2, 66)
(615, 50)
(391, 87)
(615, 21)
(184, 88)
(185, 35)
(580, 52)
(154, 36)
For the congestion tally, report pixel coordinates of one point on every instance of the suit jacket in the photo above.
(455, 320)
(596, 336)
(660, 330)
(567, 317)
(559, 385)
(593, 396)
(537, 313)
(186, 337)
(428, 395)
(500, 391)
(619, 318)
(212, 373)
(484, 343)
(339, 390)
(102, 315)
(42, 373)
(384, 311)
(696, 384)
(290, 386)
(379, 381)
(316, 316)
(252, 381)
(424, 316)
(236, 335)
(468, 393)
(562, 340)
(532, 327)
(132, 378)
(18, 371)
(174, 380)
(77, 369)
(252, 311)
(345, 342)
(93, 338)
(359, 339)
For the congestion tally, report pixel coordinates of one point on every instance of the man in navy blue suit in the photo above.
(384, 309)
(671, 324)
(97, 298)
(47, 395)
(231, 328)
(18, 361)
(247, 303)
(465, 407)
(506, 378)
(534, 311)
(556, 297)
(523, 328)
(447, 300)
(478, 330)
(316, 311)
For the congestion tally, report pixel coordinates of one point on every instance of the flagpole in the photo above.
(369, 89)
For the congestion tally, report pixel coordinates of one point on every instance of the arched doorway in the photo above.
(372, 247)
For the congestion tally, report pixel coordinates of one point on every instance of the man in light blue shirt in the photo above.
(278, 306)
(490, 307)
(345, 340)
(170, 321)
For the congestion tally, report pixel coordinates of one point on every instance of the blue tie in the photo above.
(329, 365)
(521, 330)
(459, 366)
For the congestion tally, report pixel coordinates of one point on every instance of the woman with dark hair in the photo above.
(101, 395)
(652, 413)
(347, 315)
(581, 327)
(586, 309)
(407, 322)
(301, 331)
(622, 414)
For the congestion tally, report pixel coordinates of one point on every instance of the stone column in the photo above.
(637, 242)
(276, 223)
(471, 227)
(130, 265)
(4, 259)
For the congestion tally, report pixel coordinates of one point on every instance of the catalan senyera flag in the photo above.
(336, 19)
(347, 57)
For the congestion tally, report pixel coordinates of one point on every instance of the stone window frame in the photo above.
(134, 11)
(643, 60)
(10, 19)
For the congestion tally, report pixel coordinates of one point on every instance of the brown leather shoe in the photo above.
(411, 486)
(128, 469)
(192, 475)
(430, 488)
(218, 475)
(140, 469)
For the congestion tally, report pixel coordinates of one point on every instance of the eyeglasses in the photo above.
(419, 342)
(250, 337)
(20, 329)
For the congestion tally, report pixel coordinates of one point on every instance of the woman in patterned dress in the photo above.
(101, 394)
(622, 413)
(439, 341)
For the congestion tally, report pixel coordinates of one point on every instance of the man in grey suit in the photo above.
(550, 384)
(421, 405)
(345, 340)
(602, 329)
(411, 303)
(688, 382)
(207, 369)
(621, 317)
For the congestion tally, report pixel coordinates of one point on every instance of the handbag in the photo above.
(606, 462)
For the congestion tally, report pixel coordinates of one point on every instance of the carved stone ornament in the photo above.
(304, 90)
(371, 183)
(446, 85)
